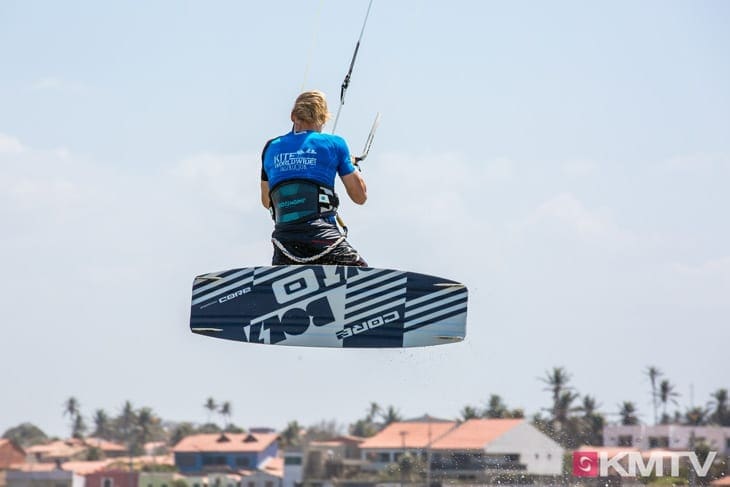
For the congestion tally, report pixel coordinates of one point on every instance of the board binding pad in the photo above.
(329, 306)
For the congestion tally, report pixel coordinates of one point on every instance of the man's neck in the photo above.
(303, 127)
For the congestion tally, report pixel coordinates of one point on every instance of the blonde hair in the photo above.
(311, 107)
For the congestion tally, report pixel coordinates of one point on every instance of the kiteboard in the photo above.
(329, 306)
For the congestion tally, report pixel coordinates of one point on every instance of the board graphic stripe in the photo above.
(374, 311)
(374, 291)
(365, 286)
(350, 310)
(413, 316)
(439, 313)
(248, 280)
(267, 275)
(353, 280)
(429, 296)
(223, 279)
(442, 317)
(434, 303)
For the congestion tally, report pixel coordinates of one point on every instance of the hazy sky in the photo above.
(568, 161)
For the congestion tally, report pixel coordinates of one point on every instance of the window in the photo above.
(383, 457)
(658, 442)
(107, 482)
(252, 484)
(625, 440)
(269, 483)
(243, 462)
(185, 460)
(214, 460)
(292, 460)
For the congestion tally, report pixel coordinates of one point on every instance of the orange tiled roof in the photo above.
(58, 448)
(80, 468)
(475, 434)
(10, 453)
(721, 481)
(229, 442)
(414, 435)
(104, 445)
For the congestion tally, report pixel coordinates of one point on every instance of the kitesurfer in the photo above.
(297, 186)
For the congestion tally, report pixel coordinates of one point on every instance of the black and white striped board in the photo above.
(329, 306)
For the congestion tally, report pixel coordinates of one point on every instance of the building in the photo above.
(112, 478)
(164, 479)
(293, 466)
(58, 451)
(475, 450)
(481, 448)
(68, 474)
(667, 436)
(224, 452)
(10, 454)
(394, 440)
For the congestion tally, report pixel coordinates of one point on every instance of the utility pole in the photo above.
(428, 456)
(403, 456)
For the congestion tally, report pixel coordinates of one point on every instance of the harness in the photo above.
(299, 200)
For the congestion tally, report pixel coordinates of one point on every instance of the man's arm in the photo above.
(355, 186)
(265, 200)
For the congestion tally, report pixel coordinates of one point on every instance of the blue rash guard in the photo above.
(315, 157)
(307, 155)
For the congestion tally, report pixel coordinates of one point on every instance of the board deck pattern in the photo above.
(329, 306)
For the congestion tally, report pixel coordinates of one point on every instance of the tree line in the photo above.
(571, 419)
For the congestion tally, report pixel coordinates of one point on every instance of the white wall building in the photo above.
(293, 467)
(667, 436)
(483, 446)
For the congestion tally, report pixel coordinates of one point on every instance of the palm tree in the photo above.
(721, 415)
(653, 373)
(102, 426)
(667, 394)
(291, 434)
(628, 413)
(373, 411)
(126, 422)
(469, 412)
(226, 411)
(564, 408)
(211, 406)
(391, 415)
(71, 409)
(557, 381)
(593, 422)
(496, 408)
(79, 427)
(146, 420)
(696, 416)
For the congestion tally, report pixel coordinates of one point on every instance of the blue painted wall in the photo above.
(196, 462)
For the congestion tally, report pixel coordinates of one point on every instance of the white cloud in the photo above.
(700, 162)
(10, 145)
(227, 180)
(58, 84)
(565, 213)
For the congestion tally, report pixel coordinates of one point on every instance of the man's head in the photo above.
(310, 109)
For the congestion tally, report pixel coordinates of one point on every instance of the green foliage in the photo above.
(25, 435)
(94, 453)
